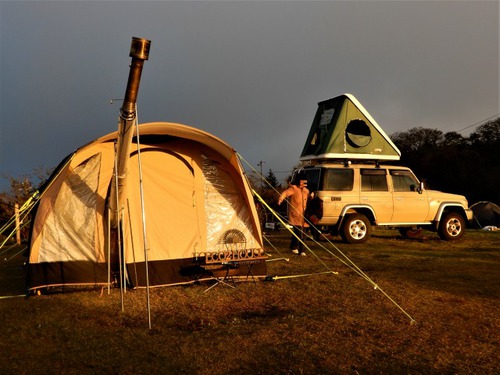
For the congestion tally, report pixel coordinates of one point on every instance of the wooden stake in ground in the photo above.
(18, 224)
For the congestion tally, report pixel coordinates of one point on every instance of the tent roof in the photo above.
(168, 129)
(175, 130)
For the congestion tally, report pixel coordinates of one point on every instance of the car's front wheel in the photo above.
(451, 226)
(356, 229)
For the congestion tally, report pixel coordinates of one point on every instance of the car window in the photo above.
(374, 180)
(338, 179)
(313, 179)
(403, 181)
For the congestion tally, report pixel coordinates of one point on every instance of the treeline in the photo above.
(453, 163)
(21, 189)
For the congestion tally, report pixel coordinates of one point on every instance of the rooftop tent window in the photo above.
(324, 119)
(358, 133)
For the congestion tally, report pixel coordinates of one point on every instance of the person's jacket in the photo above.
(297, 204)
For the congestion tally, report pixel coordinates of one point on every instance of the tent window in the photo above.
(225, 206)
(69, 233)
(322, 126)
(358, 133)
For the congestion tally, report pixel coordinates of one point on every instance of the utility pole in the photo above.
(259, 164)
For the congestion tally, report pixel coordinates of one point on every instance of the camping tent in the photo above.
(343, 129)
(195, 201)
(486, 213)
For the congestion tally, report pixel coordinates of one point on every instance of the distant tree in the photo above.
(483, 163)
(268, 188)
(487, 134)
(21, 189)
(454, 139)
(453, 163)
(272, 180)
(417, 146)
(418, 139)
(5, 210)
(255, 180)
(271, 190)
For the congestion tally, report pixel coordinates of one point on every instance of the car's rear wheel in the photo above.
(356, 229)
(451, 226)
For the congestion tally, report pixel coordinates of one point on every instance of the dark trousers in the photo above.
(295, 243)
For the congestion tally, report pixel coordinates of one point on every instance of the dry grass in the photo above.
(320, 324)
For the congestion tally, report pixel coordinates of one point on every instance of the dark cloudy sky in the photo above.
(248, 72)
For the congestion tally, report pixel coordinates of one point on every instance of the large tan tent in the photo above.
(194, 202)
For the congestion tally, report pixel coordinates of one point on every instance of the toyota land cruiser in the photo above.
(358, 196)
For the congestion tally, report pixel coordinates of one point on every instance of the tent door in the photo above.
(171, 212)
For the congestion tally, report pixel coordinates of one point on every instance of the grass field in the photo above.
(317, 324)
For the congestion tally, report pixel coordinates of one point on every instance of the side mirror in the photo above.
(420, 187)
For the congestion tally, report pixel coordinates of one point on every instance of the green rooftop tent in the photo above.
(343, 129)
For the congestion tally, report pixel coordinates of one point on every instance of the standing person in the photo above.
(298, 193)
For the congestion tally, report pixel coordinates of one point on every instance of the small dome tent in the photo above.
(486, 214)
(195, 198)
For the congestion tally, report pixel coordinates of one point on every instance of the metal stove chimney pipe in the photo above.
(139, 51)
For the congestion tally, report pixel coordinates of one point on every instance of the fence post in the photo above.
(18, 224)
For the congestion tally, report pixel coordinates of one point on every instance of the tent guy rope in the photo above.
(344, 259)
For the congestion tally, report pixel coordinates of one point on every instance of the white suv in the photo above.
(356, 196)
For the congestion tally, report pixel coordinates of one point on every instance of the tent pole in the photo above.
(132, 241)
(144, 235)
(124, 259)
(109, 251)
(119, 242)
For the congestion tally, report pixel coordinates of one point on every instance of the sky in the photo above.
(248, 72)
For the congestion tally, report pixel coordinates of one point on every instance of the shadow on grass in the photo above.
(12, 276)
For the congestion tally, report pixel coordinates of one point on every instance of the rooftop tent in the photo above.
(196, 201)
(343, 129)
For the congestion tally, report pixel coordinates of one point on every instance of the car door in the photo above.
(375, 193)
(410, 205)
